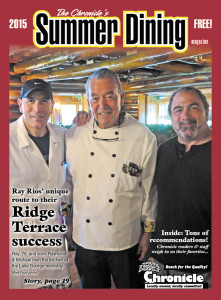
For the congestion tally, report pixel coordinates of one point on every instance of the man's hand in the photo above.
(144, 246)
(70, 240)
(69, 225)
(82, 118)
(67, 214)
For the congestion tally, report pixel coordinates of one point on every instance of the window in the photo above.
(163, 114)
(68, 112)
(152, 114)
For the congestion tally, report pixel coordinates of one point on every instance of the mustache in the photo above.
(38, 116)
(104, 111)
(191, 121)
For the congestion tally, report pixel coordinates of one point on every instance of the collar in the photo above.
(112, 134)
(53, 133)
(181, 148)
(23, 138)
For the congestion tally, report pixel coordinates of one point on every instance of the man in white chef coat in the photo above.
(37, 253)
(112, 163)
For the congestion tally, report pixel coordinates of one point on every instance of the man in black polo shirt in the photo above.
(183, 175)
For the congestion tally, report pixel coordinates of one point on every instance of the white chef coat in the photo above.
(109, 205)
(28, 169)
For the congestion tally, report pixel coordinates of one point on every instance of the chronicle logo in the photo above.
(154, 279)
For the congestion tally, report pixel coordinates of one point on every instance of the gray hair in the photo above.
(189, 89)
(103, 73)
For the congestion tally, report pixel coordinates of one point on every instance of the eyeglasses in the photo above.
(106, 140)
(32, 101)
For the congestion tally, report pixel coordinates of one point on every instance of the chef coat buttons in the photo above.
(88, 221)
(113, 155)
(110, 223)
(116, 132)
(94, 131)
(88, 198)
(90, 175)
(112, 175)
(110, 200)
(92, 153)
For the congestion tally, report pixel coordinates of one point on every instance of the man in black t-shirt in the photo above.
(182, 238)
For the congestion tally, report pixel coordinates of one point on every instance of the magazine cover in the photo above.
(148, 222)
